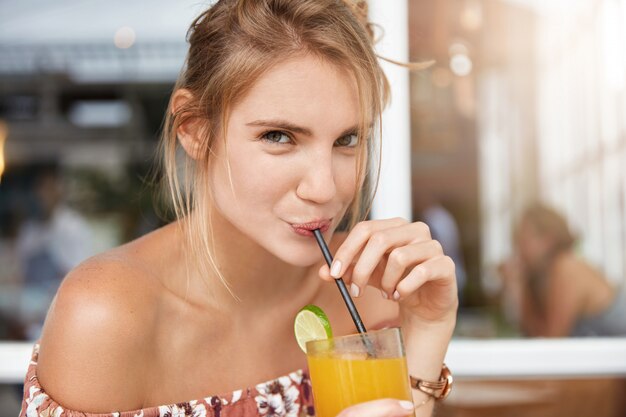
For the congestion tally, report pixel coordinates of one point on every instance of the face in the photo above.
(292, 150)
(532, 245)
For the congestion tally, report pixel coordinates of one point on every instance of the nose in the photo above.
(317, 183)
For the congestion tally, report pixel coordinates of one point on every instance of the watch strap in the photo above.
(436, 389)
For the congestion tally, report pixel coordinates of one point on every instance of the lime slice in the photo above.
(311, 324)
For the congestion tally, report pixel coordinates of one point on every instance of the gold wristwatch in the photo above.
(439, 389)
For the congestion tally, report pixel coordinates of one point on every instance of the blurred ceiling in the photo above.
(128, 41)
(72, 21)
(96, 40)
(551, 7)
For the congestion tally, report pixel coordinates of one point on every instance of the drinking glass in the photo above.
(352, 369)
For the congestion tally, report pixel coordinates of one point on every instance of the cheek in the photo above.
(263, 174)
(257, 180)
(345, 176)
(525, 247)
(534, 249)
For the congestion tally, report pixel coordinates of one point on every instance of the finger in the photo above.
(405, 257)
(356, 240)
(380, 243)
(436, 269)
(387, 407)
(324, 273)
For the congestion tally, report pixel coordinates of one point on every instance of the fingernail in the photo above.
(396, 295)
(335, 269)
(354, 290)
(385, 296)
(407, 405)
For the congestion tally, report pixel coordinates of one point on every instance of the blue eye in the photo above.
(348, 141)
(276, 136)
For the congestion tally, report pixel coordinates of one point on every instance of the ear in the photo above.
(189, 132)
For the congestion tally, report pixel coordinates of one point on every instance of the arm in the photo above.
(426, 345)
(562, 301)
(530, 317)
(408, 267)
(93, 341)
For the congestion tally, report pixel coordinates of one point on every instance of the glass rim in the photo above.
(394, 329)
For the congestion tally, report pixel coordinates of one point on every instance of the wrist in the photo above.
(411, 323)
(426, 344)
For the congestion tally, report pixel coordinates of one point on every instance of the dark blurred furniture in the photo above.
(599, 397)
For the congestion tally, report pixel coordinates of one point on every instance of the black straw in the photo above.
(356, 318)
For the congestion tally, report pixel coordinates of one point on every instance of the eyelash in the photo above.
(264, 138)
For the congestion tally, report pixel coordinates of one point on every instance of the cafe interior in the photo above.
(521, 109)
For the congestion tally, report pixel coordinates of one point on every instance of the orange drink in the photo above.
(346, 370)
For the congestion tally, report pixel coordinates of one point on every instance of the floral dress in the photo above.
(287, 396)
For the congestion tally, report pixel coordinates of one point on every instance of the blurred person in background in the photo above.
(53, 240)
(558, 294)
(11, 328)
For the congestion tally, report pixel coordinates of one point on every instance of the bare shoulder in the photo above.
(568, 268)
(96, 335)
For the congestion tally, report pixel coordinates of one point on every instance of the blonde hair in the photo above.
(549, 223)
(231, 45)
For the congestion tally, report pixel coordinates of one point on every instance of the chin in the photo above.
(302, 257)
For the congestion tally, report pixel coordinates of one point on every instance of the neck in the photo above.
(256, 279)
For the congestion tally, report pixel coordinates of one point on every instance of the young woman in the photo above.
(559, 293)
(275, 115)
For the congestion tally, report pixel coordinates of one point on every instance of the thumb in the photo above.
(324, 273)
(387, 407)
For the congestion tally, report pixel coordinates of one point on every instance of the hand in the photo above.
(513, 278)
(512, 270)
(404, 262)
(379, 408)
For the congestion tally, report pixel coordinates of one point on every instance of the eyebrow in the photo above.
(285, 125)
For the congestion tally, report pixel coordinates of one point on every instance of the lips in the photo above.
(306, 229)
